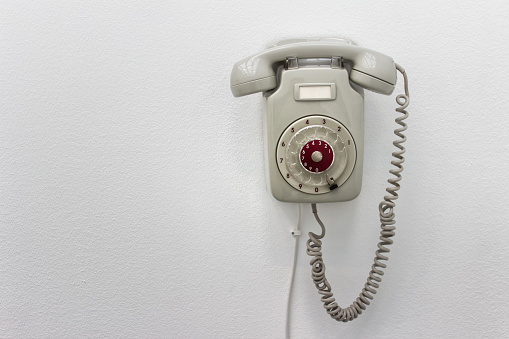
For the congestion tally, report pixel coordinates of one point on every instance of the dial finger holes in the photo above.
(315, 149)
(321, 133)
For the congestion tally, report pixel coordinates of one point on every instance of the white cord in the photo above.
(295, 232)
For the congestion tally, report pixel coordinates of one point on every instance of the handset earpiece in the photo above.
(253, 74)
(364, 75)
(371, 70)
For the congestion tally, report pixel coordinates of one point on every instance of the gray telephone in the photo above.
(315, 134)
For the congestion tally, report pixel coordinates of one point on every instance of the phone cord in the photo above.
(386, 209)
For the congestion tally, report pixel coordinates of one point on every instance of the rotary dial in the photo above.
(314, 149)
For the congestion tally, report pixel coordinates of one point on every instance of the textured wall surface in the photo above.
(133, 199)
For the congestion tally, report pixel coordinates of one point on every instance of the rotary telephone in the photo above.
(315, 135)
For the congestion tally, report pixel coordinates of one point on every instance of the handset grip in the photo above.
(370, 69)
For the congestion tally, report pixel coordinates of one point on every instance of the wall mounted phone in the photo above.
(315, 113)
(315, 134)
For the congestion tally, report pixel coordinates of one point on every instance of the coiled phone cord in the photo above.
(386, 209)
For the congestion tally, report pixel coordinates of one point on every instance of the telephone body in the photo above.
(315, 113)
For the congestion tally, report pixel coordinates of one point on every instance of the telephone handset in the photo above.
(315, 134)
(370, 69)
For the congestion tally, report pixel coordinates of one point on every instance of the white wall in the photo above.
(133, 196)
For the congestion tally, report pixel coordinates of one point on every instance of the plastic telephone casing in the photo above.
(283, 110)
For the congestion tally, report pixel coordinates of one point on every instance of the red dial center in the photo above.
(316, 156)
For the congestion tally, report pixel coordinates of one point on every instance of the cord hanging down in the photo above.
(387, 222)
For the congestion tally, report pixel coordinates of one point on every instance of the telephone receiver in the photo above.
(371, 70)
